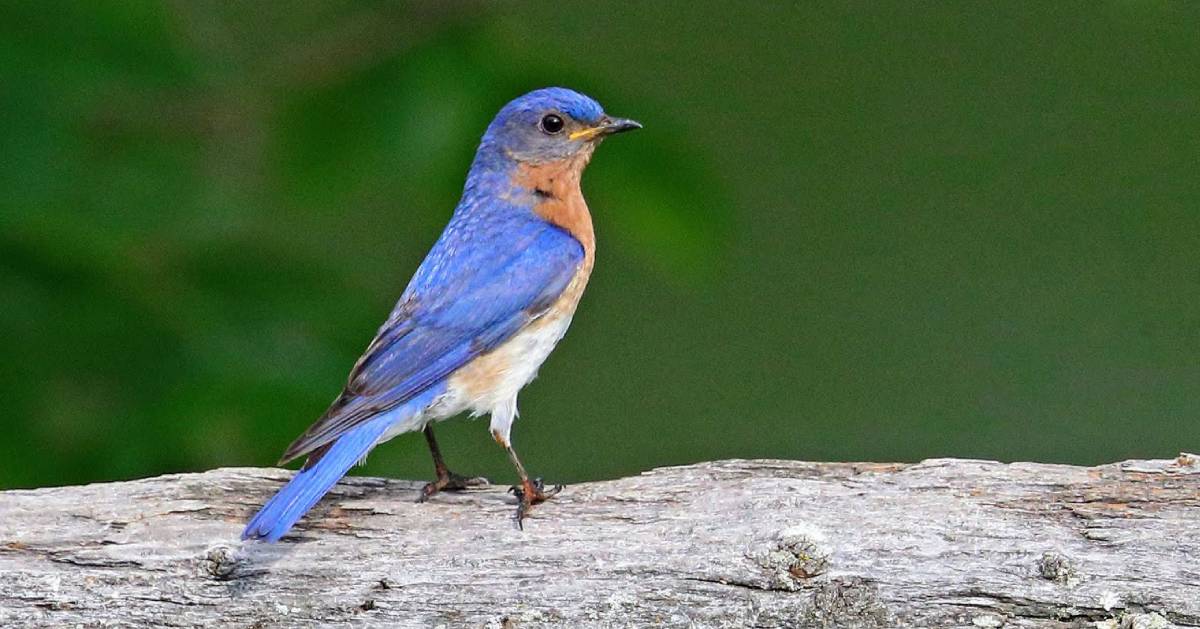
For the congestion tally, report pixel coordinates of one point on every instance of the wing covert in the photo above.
(480, 301)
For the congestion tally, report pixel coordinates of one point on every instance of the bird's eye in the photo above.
(551, 124)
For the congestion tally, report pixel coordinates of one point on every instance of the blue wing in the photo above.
(475, 290)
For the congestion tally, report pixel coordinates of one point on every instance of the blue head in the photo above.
(548, 125)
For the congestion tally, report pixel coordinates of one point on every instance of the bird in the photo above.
(483, 310)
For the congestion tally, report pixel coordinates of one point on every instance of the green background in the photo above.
(865, 232)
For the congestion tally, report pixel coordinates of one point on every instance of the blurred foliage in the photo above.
(847, 232)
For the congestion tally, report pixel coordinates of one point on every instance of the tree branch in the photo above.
(732, 543)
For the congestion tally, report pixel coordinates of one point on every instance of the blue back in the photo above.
(496, 266)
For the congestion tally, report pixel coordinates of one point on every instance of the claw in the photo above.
(530, 493)
(450, 482)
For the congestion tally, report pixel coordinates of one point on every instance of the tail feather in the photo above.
(310, 483)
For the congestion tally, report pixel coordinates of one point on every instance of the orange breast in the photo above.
(560, 199)
(561, 203)
(491, 380)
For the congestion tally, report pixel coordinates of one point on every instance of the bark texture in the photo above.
(941, 543)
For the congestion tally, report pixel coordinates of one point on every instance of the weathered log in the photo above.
(726, 544)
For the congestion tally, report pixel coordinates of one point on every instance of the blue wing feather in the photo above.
(473, 291)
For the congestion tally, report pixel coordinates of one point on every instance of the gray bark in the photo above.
(727, 544)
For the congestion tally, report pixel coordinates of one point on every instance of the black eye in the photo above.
(552, 123)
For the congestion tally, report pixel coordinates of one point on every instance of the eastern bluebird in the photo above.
(482, 312)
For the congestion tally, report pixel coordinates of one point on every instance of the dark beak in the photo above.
(607, 126)
(617, 125)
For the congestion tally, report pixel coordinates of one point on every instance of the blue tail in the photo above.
(307, 486)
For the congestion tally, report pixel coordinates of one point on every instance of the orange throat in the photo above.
(560, 199)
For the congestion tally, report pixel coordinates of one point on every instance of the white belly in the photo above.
(490, 383)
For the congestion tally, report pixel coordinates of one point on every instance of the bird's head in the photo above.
(550, 125)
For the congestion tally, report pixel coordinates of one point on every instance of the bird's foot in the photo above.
(530, 493)
(449, 481)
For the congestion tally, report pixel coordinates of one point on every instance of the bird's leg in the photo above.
(529, 492)
(446, 480)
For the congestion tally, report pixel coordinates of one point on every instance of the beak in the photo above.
(617, 125)
(607, 126)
